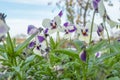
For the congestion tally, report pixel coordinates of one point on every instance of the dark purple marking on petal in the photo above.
(84, 32)
(73, 30)
(30, 27)
(66, 24)
(41, 39)
(60, 13)
(83, 55)
(32, 44)
(53, 24)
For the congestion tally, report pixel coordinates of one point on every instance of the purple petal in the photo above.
(46, 31)
(32, 44)
(73, 30)
(95, 4)
(66, 24)
(41, 39)
(98, 54)
(100, 28)
(31, 29)
(98, 33)
(83, 55)
(60, 13)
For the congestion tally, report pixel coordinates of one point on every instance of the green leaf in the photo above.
(67, 52)
(97, 47)
(20, 47)
(30, 58)
(78, 44)
(2, 49)
(52, 43)
(114, 78)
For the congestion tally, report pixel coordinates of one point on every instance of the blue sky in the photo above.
(21, 13)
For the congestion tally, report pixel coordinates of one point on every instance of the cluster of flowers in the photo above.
(51, 26)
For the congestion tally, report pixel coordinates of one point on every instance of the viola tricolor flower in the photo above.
(53, 24)
(38, 44)
(83, 55)
(95, 4)
(100, 29)
(3, 26)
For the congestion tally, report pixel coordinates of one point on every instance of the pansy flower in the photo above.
(69, 29)
(3, 26)
(38, 44)
(54, 24)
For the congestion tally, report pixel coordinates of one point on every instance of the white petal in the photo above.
(57, 20)
(101, 8)
(46, 23)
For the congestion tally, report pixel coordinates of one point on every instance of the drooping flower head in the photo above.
(100, 29)
(83, 55)
(95, 4)
(3, 26)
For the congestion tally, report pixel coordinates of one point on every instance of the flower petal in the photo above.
(60, 13)
(83, 55)
(57, 20)
(40, 38)
(46, 23)
(32, 44)
(3, 28)
(66, 24)
(31, 29)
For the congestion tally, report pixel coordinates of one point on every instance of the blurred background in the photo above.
(21, 13)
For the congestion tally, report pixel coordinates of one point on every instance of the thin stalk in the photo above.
(92, 28)
(84, 15)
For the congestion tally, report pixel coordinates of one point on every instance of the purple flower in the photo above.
(32, 29)
(40, 38)
(100, 29)
(95, 4)
(83, 55)
(60, 13)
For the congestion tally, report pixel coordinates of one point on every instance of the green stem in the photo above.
(92, 28)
